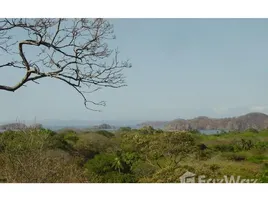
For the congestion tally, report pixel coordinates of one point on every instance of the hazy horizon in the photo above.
(92, 122)
(182, 68)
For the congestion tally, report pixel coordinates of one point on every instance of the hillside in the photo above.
(251, 120)
(104, 126)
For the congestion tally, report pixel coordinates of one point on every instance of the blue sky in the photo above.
(182, 68)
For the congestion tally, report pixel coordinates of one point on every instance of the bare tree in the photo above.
(74, 51)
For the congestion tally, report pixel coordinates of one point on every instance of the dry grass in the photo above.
(40, 167)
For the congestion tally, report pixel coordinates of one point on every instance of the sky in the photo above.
(182, 68)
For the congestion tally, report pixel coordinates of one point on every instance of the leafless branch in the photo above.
(74, 51)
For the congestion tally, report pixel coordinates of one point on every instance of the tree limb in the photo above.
(74, 51)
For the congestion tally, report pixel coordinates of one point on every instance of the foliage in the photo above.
(111, 167)
(263, 146)
(234, 156)
(147, 130)
(252, 130)
(31, 157)
(144, 155)
(195, 131)
(105, 133)
(264, 175)
(124, 129)
(258, 158)
(224, 147)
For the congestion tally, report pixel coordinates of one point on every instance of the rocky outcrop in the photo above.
(252, 120)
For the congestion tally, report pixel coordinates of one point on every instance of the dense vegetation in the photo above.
(145, 155)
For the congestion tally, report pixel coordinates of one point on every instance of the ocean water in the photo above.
(210, 132)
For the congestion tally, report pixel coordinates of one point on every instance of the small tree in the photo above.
(74, 51)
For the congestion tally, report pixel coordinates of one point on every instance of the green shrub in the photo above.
(234, 156)
(157, 131)
(60, 141)
(195, 131)
(105, 133)
(147, 130)
(32, 157)
(91, 144)
(71, 137)
(262, 146)
(124, 129)
(224, 147)
(109, 168)
(243, 145)
(203, 154)
(258, 158)
(143, 169)
(252, 130)
(25, 140)
(115, 177)
(101, 164)
(264, 174)
(214, 167)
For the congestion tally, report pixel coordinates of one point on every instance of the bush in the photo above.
(195, 131)
(224, 147)
(158, 131)
(101, 164)
(61, 141)
(264, 174)
(143, 169)
(258, 158)
(243, 145)
(30, 157)
(110, 168)
(203, 154)
(252, 130)
(92, 144)
(25, 140)
(105, 133)
(262, 146)
(147, 130)
(124, 129)
(235, 157)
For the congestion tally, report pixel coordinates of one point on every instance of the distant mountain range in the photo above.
(251, 120)
(58, 123)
